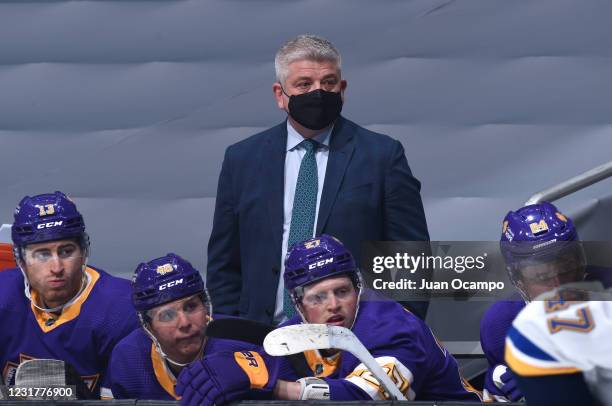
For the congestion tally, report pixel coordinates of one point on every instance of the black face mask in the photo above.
(315, 110)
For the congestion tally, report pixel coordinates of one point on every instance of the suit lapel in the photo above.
(340, 151)
(273, 170)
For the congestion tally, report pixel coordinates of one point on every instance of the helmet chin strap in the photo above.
(27, 289)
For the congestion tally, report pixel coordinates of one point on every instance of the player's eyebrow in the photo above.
(37, 250)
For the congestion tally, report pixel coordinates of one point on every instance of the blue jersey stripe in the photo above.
(523, 344)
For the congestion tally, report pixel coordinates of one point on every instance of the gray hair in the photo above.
(304, 47)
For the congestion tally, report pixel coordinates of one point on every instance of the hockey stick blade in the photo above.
(304, 337)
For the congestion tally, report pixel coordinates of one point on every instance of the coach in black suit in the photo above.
(316, 173)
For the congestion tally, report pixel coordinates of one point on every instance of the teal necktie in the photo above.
(304, 207)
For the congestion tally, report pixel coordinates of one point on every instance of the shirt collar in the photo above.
(294, 138)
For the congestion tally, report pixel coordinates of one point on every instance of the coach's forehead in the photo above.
(313, 69)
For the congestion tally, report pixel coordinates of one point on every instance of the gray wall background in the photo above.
(128, 106)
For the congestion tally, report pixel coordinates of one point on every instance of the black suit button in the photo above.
(276, 270)
(269, 312)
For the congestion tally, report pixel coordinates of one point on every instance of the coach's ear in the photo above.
(277, 90)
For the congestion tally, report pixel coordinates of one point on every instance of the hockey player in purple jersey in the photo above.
(174, 309)
(542, 251)
(326, 287)
(55, 306)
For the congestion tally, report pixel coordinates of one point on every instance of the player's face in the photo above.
(180, 327)
(54, 270)
(539, 278)
(306, 76)
(332, 301)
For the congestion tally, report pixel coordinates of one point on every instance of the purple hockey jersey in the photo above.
(494, 327)
(405, 348)
(83, 335)
(137, 370)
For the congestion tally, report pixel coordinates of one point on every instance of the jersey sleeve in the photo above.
(537, 342)
(494, 327)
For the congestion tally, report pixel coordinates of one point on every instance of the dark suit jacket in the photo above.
(369, 193)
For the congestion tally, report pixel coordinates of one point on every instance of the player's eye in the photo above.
(42, 256)
(342, 292)
(316, 299)
(166, 316)
(320, 298)
(191, 307)
(66, 252)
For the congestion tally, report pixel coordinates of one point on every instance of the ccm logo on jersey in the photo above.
(170, 284)
(320, 263)
(49, 224)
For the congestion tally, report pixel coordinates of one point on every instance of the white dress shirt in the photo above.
(293, 160)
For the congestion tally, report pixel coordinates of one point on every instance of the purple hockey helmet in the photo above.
(164, 280)
(538, 233)
(47, 217)
(316, 259)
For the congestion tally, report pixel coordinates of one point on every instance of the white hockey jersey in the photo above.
(565, 331)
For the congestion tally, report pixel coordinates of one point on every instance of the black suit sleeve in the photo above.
(403, 207)
(404, 217)
(223, 277)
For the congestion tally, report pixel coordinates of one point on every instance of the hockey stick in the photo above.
(304, 337)
(52, 373)
(253, 332)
